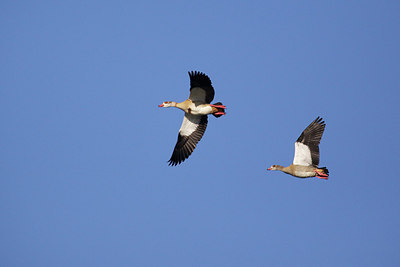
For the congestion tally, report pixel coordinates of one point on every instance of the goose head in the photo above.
(167, 104)
(274, 168)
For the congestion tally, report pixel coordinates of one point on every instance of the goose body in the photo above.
(306, 155)
(190, 107)
(197, 108)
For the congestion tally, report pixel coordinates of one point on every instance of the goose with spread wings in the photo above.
(306, 155)
(196, 109)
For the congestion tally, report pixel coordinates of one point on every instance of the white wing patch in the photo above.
(198, 95)
(189, 124)
(302, 155)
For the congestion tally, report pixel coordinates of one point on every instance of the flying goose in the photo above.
(196, 109)
(306, 153)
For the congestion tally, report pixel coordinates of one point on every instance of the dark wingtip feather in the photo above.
(199, 79)
(319, 120)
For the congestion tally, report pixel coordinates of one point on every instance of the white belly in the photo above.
(200, 109)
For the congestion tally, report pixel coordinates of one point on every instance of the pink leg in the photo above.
(217, 106)
(321, 175)
(220, 113)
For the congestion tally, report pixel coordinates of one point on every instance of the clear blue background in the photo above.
(84, 147)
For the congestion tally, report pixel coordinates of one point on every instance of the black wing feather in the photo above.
(199, 79)
(311, 137)
(186, 144)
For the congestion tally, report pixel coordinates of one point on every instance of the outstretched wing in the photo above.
(307, 145)
(201, 90)
(190, 133)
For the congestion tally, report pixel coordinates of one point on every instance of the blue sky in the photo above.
(84, 147)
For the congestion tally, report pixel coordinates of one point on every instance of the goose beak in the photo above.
(268, 169)
(160, 106)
